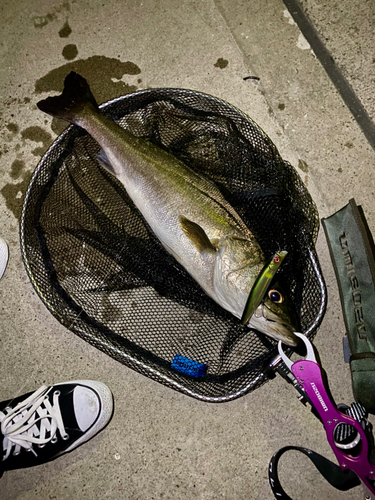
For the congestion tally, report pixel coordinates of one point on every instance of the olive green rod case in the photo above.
(352, 252)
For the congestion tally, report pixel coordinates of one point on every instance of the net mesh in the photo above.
(103, 274)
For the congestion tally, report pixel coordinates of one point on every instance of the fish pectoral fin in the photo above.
(104, 162)
(196, 235)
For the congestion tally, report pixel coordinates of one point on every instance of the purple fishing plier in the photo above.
(349, 433)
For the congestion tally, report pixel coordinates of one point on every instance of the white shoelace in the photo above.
(18, 425)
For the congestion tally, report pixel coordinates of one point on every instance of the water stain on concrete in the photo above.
(303, 166)
(4, 150)
(70, 52)
(18, 167)
(58, 126)
(100, 72)
(41, 21)
(37, 134)
(104, 75)
(12, 132)
(65, 30)
(39, 151)
(12, 127)
(14, 195)
(221, 63)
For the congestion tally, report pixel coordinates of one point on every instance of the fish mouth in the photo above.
(267, 322)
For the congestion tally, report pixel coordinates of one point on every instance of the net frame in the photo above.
(209, 134)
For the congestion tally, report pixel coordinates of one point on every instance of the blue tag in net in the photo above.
(188, 366)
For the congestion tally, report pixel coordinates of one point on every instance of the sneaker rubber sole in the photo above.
(4, 255)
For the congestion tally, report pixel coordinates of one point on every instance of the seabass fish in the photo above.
(187, 212)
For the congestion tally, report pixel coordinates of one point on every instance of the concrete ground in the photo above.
(161, 444)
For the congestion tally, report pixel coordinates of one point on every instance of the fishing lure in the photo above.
(261, 286)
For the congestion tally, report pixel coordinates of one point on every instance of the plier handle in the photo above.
(348, 431)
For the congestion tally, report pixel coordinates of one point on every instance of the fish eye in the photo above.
(275, 296)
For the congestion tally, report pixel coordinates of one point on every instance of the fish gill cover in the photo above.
(102, 272)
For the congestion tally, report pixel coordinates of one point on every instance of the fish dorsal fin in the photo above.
(196, 235)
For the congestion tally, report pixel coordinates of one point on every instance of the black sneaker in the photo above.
(40, 426)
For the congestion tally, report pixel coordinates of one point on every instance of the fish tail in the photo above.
(74, 102)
